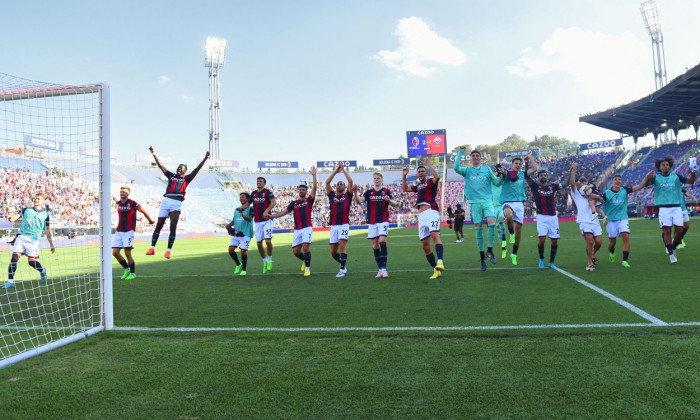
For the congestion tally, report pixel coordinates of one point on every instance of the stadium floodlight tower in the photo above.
(651, 20)
(214, 59)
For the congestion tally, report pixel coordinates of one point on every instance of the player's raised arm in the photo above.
(532, 162)
(572, 177)
(647, 181)
(329, 180)
(691, 178)
(436, 175)
(347, 176)
(404, 183)
(160, 165)
(201, 164)
(313, 188)
(458, 161)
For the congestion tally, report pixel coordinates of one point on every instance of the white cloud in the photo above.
(420, 49)
(187, 97)
(163, 79)
(612, 69)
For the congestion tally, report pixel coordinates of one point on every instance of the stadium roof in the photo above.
(675, 106)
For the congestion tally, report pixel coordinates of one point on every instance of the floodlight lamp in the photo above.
(215, 50)
(651, 19)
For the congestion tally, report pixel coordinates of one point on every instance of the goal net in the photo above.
(55, 140)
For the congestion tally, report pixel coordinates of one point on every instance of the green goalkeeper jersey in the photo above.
(477, 181)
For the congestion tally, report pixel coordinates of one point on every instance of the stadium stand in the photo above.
(211, 199)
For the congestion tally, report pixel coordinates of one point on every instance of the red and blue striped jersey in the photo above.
(127, 215)
(261, 200)
(340, 208)
(427, 193)
(176, 186)
(302, 212)
(544, 197)
(377, 208)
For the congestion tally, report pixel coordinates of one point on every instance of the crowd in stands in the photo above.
(73, 201)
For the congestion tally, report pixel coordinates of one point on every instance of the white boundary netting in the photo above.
(53, 140)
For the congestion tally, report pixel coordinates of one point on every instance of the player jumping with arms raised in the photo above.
(171, 205)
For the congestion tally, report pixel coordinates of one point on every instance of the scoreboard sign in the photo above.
(426, 143)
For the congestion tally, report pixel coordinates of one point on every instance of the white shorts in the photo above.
(428, 221)
(27, 246)
(616, 227)
(377, 229)
(123, 239)
(263, 230)
(686, 216)
(339, 232)
(591, 227)
(302, 236)
(518, 210)
(169, 205)
(547, 226)
(670, 216)
(240, 241)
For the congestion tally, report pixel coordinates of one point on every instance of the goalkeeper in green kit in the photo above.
(478, 180)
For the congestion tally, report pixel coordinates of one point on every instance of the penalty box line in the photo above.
(636, 310)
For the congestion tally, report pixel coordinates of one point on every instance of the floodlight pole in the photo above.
(651, 21)
(214, 59)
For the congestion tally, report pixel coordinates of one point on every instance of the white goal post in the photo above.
(55, 139)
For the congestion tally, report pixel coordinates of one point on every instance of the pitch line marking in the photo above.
(390, 329)
(636, 310)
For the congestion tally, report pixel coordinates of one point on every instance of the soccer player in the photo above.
(263, 201)
(124, 236)
(686, 216)
(303, 229)
(428, 214)
(339, 200)
(241, 230)
(667, 196)
(459, 222)
(616, 220)
(586, 218)
(171, 205)
(512, 198)
(500, 218)
(477, 189)
(543, 192)
(378, 200)
(35, 221)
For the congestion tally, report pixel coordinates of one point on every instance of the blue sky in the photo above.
(313, 80)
